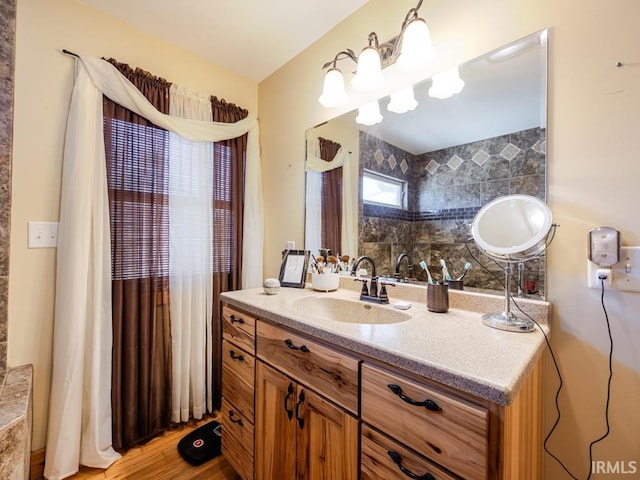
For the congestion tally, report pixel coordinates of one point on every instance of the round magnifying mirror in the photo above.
(513, 227)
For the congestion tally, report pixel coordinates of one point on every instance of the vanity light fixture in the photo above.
(369, 114)
(446, 84)
(416, 42)
(369, 73)
(334, 94)
(411, 49)
(402, 101)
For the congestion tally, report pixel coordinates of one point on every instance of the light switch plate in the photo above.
(42, 234)
(625, 275)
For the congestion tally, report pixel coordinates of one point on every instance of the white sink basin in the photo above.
(349, 311)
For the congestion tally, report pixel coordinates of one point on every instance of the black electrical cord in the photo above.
(606, 411)
(557, 368)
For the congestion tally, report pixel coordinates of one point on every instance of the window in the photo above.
(380, 189)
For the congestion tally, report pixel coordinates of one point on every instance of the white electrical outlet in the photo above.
(593, 275)
(623, 276)
(42, 234)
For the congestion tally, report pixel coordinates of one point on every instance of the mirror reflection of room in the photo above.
(417, 179)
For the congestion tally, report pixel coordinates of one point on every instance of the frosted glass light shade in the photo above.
(333, 92)
(369, 114)
(402, 101)
(369, 72)
(416, 46)
(446, 84)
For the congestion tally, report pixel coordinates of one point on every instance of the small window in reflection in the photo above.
(380, 189)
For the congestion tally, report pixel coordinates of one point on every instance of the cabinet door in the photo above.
(327, 439)
(275, 425)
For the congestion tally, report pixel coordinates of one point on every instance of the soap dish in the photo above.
(271, 286)
(402, 305)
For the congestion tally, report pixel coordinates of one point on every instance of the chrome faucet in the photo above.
(370, 294)
(399, 261)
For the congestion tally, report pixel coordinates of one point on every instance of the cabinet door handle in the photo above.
(235, 420)
(397, 459)
(286, 401)
(300, 419)
(236, 357)
(236, 320)
(428, 403)
(290, 344)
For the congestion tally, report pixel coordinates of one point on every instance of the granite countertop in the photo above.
(452, 348)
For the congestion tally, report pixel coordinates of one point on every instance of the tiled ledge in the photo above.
(15, 423)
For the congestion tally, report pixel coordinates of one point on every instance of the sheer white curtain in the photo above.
(313, 213)
(190, 254)
(79, 429)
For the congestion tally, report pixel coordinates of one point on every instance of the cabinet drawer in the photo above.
(451, 431)
(383, 458)
(237, 441)
(238, 369)
(239, 327)
(330, 373)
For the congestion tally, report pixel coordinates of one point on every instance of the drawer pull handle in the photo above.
(236, 357)
(286, 401)
(397, 459)
(236, 320)
(290, 344)
(235, 420)
(300, 402)
(428, 404)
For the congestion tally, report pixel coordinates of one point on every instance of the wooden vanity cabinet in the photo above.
(412, 426)
(306, 408)
(450, 431)
(300, 435)
(238, 377)
(331, 373)
(298, 409)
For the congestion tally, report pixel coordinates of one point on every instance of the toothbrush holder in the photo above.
(455, 284)
(438, 297)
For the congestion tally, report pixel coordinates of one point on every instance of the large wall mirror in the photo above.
(413, 183)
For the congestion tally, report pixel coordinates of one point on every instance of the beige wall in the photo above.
(593, 111)
(593, 174)
(44, 78)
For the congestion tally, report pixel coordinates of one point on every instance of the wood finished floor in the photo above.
(159, 460)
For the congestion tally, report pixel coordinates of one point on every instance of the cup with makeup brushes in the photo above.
(327, 277)
(325, 282)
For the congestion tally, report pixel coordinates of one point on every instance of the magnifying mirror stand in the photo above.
(507, 320)
(512, 229)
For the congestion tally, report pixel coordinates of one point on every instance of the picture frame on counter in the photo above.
(293, 270)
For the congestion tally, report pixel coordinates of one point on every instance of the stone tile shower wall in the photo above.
(384, 233)
(16, 384)
(7, 45)
(447, 188)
